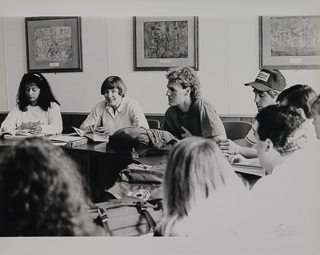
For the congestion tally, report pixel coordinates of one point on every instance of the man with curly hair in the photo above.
(189, 114)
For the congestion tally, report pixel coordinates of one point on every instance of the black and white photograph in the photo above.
(159, 127)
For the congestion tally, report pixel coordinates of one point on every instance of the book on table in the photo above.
(249, 169)
(67, 140)
(93, 135)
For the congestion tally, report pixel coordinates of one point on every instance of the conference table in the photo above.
(100, 165)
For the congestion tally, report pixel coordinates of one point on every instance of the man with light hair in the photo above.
(189, 114)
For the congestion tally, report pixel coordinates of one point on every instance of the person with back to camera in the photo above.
(266, 87)
(201, 191)
(116, 111)
(290, 195)
(41, 193)
(189, 114)
(37, 110)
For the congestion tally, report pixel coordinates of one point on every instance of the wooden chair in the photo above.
(236, 129)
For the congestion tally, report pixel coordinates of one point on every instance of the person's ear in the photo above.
(301, 112)
(268, 145)
(187, 91)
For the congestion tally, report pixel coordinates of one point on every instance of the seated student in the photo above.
(37, 109)
(116, 111)
(41, 193)
(314, 106)
(189, 114)
(290, 195)
(266, 87)
(297, 96)
(200, 192)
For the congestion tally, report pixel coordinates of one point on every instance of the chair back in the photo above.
(153, 124)
(236, 129)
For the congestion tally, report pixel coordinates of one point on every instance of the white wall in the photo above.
(228, 51)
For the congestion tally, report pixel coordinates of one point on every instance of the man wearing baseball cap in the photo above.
(266, 87)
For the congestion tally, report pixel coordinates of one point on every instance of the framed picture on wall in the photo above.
(163, 42)
(289, 42)
(53, 44)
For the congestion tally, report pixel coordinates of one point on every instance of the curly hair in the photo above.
(187, 77)
(41, 193)
(284, 126)
(46, 96)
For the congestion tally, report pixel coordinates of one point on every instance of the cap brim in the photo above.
(258, 86)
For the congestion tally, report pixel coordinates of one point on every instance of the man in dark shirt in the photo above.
(189, 114)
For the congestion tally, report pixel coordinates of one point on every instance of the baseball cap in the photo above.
(269, 79)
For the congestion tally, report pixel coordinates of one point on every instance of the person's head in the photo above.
(113, 89)
(196, 170)
(183, 84)
(297, 96)
(280, 132)
(34, 90)
(41, 192)
(267, 86)
(314, 106)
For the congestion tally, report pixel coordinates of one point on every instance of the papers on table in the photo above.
(94, 136)
(21, 134)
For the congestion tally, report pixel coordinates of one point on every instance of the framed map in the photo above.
(162, 42)
(289, 42)
(53, 44)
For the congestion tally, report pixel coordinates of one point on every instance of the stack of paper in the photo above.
(21, 134)
(67, 140)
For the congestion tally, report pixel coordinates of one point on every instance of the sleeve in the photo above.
(54, 120)
(250, 138)
(10, 122)
(138, 117)
(211, 124)
(93, 119)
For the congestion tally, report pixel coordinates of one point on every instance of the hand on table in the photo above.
(103, 130)
(228, 147)
(36, 130)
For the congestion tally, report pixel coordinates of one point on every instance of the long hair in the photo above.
(297, 96)
(46, 96)
(41, 192)
(186, 77)
(196, 170)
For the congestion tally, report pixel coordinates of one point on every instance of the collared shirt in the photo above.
(200, 120)
(129, 113)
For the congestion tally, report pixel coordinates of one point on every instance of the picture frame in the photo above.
(160, 43)
(53, 44)
(289, 42)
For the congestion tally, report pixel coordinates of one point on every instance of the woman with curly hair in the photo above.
(37, 110)
(189, 114)
(41, 193)
(201, 192)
